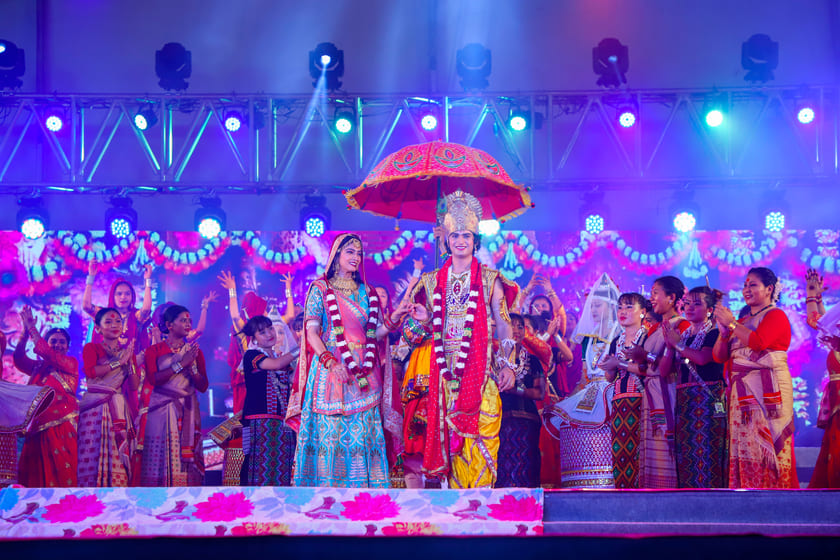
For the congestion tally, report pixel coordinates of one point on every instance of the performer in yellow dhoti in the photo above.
(456, 306)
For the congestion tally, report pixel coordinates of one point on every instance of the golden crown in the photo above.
(463, 212)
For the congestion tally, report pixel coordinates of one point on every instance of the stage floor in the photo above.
(105, 513)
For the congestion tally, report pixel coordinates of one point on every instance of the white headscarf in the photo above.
(602, 328)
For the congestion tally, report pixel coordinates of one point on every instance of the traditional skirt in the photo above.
(50, 457)
(232, 464)
(101, 461)
(8, 459)
(700, 436)
(657, 464)
(586, 458)
(341, 451)
(827, 469)
(624, 427)
(519, 453)
(269, 447)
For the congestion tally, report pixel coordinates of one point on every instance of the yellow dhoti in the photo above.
(475, 465)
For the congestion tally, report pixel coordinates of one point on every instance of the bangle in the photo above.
(177, 367)
(520, 390)
(389, 323)
(651, 357)
(148, 283)
(731, 326)
(666, 352)
(680, 347)
(89, 280)
(115, 365)
(289, 294)
(232, 292)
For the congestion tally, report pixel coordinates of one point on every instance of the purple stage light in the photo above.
(54, 123)
(627, 118)
(429, 122)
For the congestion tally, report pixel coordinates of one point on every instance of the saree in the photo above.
(172, 454)
(107, 411)
(50, 454)
(20, 405)
(827, 468)
(341, 440)
(760, 415)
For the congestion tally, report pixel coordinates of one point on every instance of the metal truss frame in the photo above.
(266, 150)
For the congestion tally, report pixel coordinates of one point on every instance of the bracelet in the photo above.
(666, 352)
(651, 357)
(289, 294)
(389, 324)
(115, 364)
(520, 390)
(89, 280)
(731, 326)
(680, 347)
(177, 367)
(326, 359)
(148, 283)
(232, 292)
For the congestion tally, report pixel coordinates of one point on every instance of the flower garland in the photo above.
(400, 248)
(74, 248)
(454, 376)
(271, 260)
(739, 261)
(360, 373)
(186, 262)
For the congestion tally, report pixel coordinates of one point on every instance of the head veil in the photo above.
(339, 243)
(606, 292)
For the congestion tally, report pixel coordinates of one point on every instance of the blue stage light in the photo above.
(714, 118)
(54, 123)
(627, 118)
(429, 122)
(210, 219)
(685, 222)
(774, 221)
(233, 121)
(806, 115)
(315, 217)
(594, 224)
(32, 217)
(120, 217)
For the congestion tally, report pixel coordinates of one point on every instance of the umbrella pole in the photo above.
(438, 241)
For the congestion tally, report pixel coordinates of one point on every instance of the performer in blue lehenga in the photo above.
(341, 403)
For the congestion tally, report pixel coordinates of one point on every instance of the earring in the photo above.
(642, 316)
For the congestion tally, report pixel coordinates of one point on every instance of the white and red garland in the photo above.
(359, 372)
(459, 362)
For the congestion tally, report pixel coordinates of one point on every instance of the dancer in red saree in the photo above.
(50, 456)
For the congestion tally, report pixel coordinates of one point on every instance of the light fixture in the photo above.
(593, 212)
(714, 110)
(54, 122)
(805, 113)
(210, 219)
(518, 120)
(489, 228)
(627, 115)
(12, 65)
(473, 63)
(173, 65)
(326, 60)
(774, 210)
(610, 61)
(120, 218)
(233, 120)
(32, 217)
(428, 117)
(315, 217)
(759, 57)
(145, 117)
(343, 119)
(685, 213)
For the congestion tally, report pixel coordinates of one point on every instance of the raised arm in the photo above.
(289, 315)
(145, 310)
(23, 362)
(229, 284)
(87, 298)
(202, 318)
(814, 306)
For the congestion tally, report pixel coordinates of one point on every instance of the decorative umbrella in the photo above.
(410, 183)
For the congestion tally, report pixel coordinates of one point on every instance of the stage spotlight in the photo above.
(489, 228)
(593, 212)
(685, 221)
(120, 217)
(315, 217)
(233, 121)
(173, 65)
(12, 65)
(429, 122)
(714, 118)
(343, 120)
(594, 224)
(473, 63)
(32, 217)
(610, 61)
(326, 60)
(145, 117)
(519, 120)
(774, 221)
(759, 57)
(210, 219)
(54, 122)
(627, 115)
(806, 114)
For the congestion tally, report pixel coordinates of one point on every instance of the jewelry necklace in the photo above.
(760, 310)
(346, 286)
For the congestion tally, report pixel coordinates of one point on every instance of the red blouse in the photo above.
(772, 333)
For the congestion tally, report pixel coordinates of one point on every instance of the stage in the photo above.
(113, 513)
